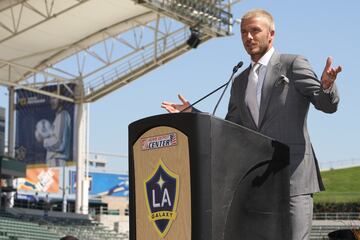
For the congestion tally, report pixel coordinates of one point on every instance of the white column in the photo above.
(64, 188)
(11, 143)
(79, 156)
(86, 182)
(85, 196)
(11, 123)
(80, 144)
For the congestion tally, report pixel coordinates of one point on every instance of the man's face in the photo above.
(256, 36)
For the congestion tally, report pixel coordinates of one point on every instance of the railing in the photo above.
(343, 163)
(104, 211)
(337, 216)
(139, 58)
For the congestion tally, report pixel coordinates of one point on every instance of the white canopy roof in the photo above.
(37, 34)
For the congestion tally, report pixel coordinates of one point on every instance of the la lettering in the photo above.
(165, 199)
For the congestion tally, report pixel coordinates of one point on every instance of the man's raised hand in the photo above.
(175, 108)
(329, 74)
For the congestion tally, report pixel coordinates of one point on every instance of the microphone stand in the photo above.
(205, 97)
(235, 69)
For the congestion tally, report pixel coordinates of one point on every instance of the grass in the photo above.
(342, 186)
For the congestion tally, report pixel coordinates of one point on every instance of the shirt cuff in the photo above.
(328, 90)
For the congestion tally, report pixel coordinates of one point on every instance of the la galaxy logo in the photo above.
(162, 192)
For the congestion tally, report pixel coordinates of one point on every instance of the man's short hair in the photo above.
(260, 13)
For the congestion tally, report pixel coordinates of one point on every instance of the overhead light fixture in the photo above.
(210, 15)
(194, 39)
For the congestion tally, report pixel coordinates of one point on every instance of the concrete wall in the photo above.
(118, 223)
(116, 203)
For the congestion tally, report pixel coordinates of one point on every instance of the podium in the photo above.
(197, 177)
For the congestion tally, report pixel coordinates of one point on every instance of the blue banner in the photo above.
(104, 184)
(44, 127)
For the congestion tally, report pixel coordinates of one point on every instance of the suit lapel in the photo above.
(272, 74)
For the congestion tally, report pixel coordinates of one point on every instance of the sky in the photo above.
(314, 29)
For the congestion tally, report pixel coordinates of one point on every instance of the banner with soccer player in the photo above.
(44, 127)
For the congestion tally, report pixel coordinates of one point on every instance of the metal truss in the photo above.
(36, 86)
(113, 57)
(128, 55)
(40, 10)
(145, 47)
(211, 16)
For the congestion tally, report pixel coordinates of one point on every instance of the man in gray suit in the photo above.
(272, 96)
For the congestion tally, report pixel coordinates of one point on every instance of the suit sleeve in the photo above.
(307, 83)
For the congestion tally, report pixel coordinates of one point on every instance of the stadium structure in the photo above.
(78, 51)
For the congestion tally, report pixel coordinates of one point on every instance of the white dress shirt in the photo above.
(264, 61)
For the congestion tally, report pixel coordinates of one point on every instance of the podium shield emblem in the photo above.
(162, 193)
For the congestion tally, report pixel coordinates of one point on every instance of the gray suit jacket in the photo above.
(289, 87)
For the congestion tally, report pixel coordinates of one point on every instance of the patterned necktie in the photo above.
(251, 92)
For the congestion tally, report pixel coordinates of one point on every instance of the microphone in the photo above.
(235, 69)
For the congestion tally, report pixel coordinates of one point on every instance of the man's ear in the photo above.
(272, 35)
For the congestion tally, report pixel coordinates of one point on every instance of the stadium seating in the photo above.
(321, 229)
(15, 229)
(34, 227)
